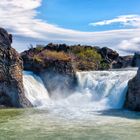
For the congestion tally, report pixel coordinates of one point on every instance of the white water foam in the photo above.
(35, 90)
(97, 90)
(105, 89)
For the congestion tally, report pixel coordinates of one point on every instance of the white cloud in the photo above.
(126, 20)
(130, 46)
(19, 17)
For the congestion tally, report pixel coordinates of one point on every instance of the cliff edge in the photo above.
(11, 66)
(133, 94)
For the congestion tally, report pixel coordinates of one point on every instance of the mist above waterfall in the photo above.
(96, 90)
(58, 85)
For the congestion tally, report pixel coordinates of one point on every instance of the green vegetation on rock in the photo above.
(87, 58)
(81, 57)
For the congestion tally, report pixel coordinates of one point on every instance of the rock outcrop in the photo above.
(113, 59)
(109, 55)
(136, 60)
(123, 62)
(55, 69)
(59, 83)
(133, 95)
(11, 66)
(82, 57)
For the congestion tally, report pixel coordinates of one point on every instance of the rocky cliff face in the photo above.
(136, 60)
(59, 77)
(133, 95)
(55, 69)
(11, 84)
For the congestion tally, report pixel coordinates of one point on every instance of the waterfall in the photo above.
(105, 89)
(35, 90)
(96, 90)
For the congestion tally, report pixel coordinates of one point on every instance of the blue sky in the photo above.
(112, 23)
(77, 14)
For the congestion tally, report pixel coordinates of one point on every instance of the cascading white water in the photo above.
(97, 90)
(35, 90)
(106, 89)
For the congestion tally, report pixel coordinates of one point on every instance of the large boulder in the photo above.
(133, 95)
(11, 84)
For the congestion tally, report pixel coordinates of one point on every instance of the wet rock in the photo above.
(133, 95)
(136, 60)
(11, 66)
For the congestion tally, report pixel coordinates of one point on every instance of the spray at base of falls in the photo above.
(97, 90)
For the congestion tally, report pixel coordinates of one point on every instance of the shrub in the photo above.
(39, 48)
(104, 66)
(58, 55)
(88, 56)
(37, 59)
(55, 55)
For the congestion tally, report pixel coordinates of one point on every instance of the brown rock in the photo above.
(55, 69)
(11, 84)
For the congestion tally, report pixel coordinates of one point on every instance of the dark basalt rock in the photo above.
(5, 38)
(109, 55)
(11, 66)
(57, 47)
(136, 60)
(35, 59)
(59, 83)
(114, 60)
(133, 95)
(122, 62)
(57, 74)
